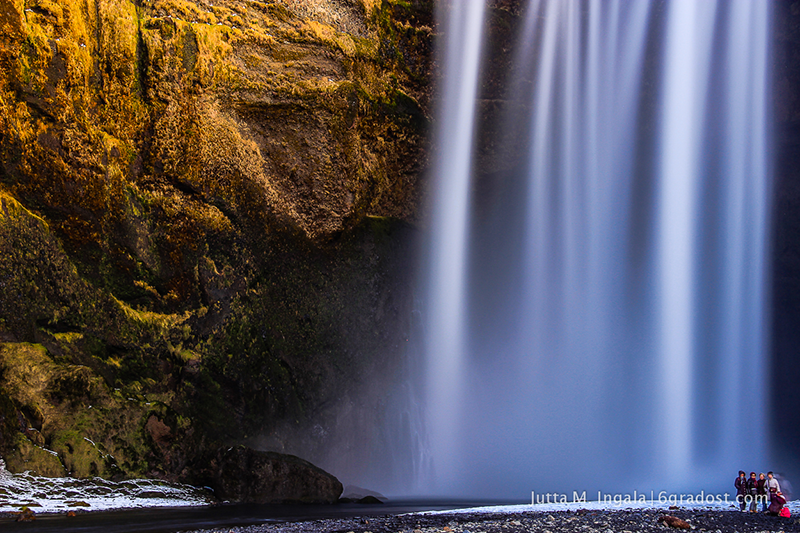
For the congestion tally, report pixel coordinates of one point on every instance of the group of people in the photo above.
(764, 489)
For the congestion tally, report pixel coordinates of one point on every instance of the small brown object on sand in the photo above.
(674, 521)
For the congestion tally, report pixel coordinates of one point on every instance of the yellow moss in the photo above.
(69, 21)
(189, 355)
(70, 33)
(322, 31)
(370, 6)
(91, 439)
(346, 44)
(11, 23)
(213, 43)
(37, 54)
(179, 9)
(53, 8)
(78, 21)
(255, 35)
(68, 337)
(147, 288)
(10, 208)
(158, 323)
(329, 35)
(28, 369)
(220, 11)
(119, 27)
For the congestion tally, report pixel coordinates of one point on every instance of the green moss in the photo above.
(27, 457)
(82, 458)
(94, 431)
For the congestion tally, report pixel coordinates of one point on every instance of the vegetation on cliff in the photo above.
(203, 223)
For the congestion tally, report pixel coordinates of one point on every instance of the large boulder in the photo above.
(243, 475)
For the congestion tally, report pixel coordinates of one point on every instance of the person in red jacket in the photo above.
(777, 503)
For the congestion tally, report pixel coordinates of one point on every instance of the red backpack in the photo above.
(785, 512)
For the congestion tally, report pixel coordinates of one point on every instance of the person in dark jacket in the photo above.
(741, 488)
(752, 492)
(761, 489)
(777, 503)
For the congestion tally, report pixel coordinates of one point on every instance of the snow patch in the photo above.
(58, 495)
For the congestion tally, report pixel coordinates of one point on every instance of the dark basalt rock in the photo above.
(243, 475)
(356, 494)
(370, 500)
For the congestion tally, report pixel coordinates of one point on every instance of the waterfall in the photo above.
(450, 236)
(594, 315)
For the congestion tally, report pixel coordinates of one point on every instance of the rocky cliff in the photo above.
(204, 226)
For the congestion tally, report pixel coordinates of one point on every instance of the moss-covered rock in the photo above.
(69, 419)
(204, 215)
(27, 456)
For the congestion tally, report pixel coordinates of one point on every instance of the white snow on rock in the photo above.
(58, 495)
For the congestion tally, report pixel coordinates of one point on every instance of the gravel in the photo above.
(580, 521)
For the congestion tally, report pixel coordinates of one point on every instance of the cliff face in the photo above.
(784, 394)
(204, 236)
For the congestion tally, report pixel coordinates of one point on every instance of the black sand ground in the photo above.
(581, 521)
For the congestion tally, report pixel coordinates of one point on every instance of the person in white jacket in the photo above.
(773, 487)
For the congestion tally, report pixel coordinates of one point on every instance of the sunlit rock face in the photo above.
(204, 229)
(317, 105)
(594, 292)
